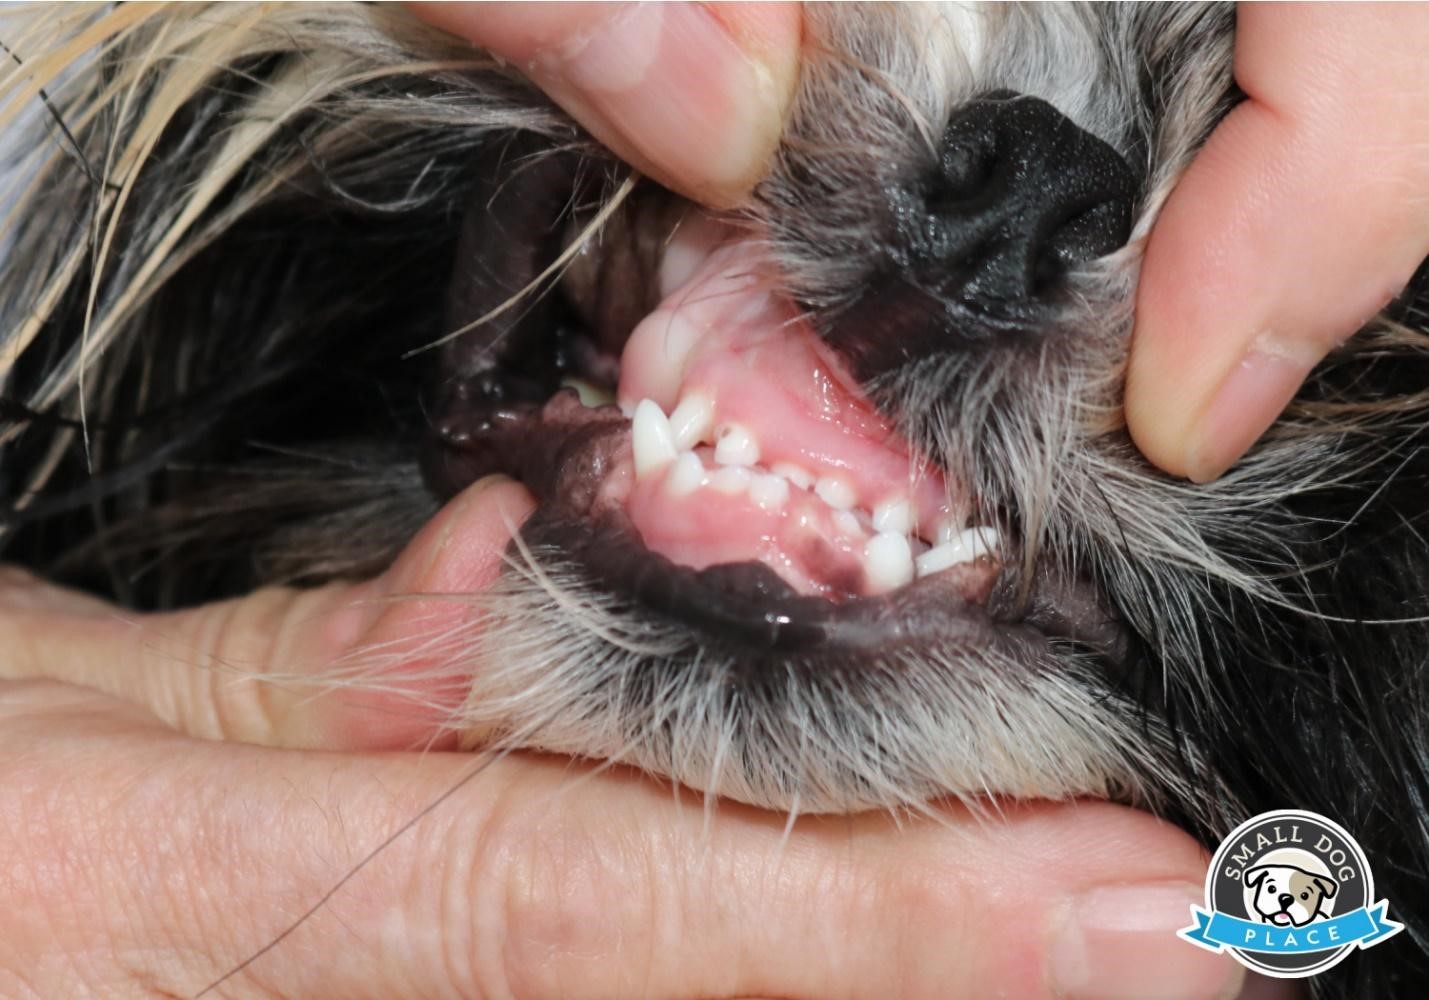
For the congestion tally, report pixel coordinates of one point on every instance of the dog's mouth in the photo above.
(693, 444)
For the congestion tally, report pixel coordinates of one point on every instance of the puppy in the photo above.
(1289, 896)
(281, 279)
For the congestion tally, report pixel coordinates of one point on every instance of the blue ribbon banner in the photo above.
(1366, 926)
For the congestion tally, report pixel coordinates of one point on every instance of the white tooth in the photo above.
(940, 557)
(980, 541)
(847, 522)
(797, 475)
(691, 420)
(686, 475)
(946, 530)
(651, 438)
(887, 561)
(769, 492)
(732, 479)
(965, 547)
(835, 492)
(592, 396)
(893, 515)
(734, 445)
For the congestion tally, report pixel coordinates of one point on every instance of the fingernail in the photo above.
(1120, 943)
(672, 82)
(1247, 402)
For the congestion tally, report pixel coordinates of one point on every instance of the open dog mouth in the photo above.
(692, 443)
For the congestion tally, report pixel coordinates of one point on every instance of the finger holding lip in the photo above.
(692, 94)
(270, 667)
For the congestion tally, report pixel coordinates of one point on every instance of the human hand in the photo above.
(135, 855)
(1305, 213)
(693, 95)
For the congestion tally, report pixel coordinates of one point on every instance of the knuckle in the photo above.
(558, 907)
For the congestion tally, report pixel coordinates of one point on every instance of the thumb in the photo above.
(268, 667)
(691, 94)
(1302, 216)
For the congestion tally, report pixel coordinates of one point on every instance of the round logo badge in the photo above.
(1290, 894)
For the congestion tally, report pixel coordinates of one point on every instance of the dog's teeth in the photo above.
(966, 546)
(893, 515)
(796, 474)
(732, 479)
(980, 541)
(835, 492)
(946, 530)
(940, 557)
(651, 438)
(769, 492)
(887, 561)
(734, 445)
(847, 522)
(686, 475)
(590, 395)
(691, 420)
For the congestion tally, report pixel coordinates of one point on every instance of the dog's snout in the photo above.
(1021, 195)
(1285, 900)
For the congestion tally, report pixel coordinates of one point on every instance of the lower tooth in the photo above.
(769, 492)
(887, 561)
(965, 547)
(894, 515)
(846, 522)
(590, 395)
(686, 475)
(797, 475)
(980, 541)
(732, 479)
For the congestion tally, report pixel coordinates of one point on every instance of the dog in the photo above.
(1289, 896)
(281, 279)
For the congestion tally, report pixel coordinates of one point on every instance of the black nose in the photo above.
(1022, 194)
(1285, 900)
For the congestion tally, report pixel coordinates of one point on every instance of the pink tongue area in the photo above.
(777, 457)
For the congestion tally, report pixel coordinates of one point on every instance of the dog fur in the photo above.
(226, 226)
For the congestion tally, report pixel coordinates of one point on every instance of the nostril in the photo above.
(1021, 196)
(965, 175)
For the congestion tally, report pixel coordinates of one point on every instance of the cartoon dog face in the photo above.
(1288, 896)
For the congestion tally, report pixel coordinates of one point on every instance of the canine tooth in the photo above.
(686, 475)
(691, 420)
(846, 522)
(732, 479)
(651, 438)
(940, 557)
(769, 492)
(734, 445)
(893, 515)
(980, 541)
(796, 474)
(592, 396)
(887, 561)
(835, 492)
(965, 547)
